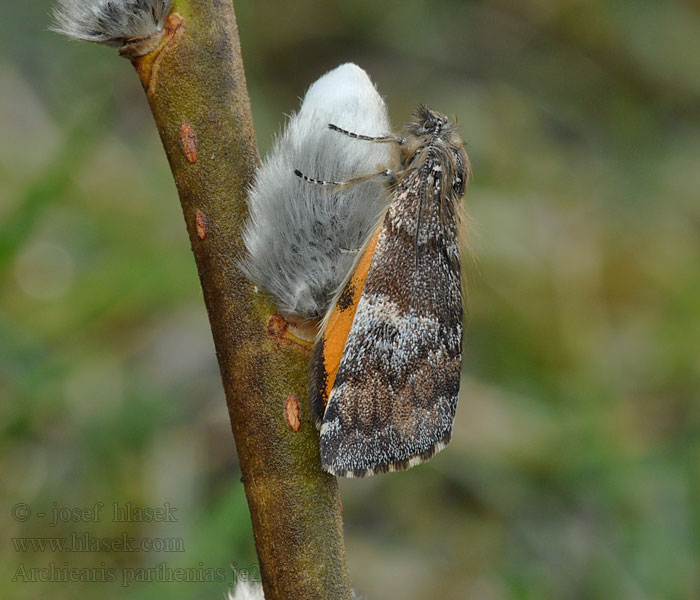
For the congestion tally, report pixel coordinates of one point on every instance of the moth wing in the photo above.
(328, 350)
(393, 399)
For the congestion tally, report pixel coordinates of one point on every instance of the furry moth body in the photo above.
(386, 369)
(302, 239)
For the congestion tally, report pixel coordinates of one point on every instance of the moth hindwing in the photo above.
(386, 368)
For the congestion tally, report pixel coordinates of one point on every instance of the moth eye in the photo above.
(430, 125)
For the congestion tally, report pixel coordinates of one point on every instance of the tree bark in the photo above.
(196, 88)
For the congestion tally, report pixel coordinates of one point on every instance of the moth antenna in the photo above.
(384, 173)
(313, 180)
(369, 138)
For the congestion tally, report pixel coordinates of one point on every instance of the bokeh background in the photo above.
(574, 471)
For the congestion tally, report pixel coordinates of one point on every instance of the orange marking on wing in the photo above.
(340, 321)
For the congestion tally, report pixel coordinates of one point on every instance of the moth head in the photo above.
(427, 122)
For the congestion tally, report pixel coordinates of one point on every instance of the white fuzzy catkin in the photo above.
(110, 22)
(302, 238)
(247, 591)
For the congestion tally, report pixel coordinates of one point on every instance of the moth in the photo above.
(386, 367)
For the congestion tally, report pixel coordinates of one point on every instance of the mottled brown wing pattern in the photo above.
(395, 393)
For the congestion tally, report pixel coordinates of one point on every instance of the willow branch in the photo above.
(196, 88)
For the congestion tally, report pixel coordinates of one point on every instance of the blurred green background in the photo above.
(575, 464)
